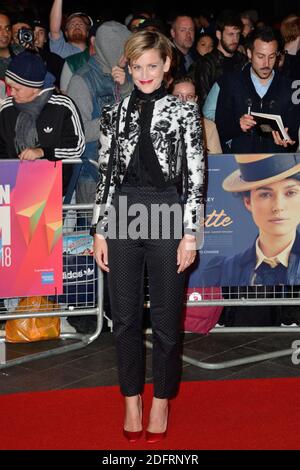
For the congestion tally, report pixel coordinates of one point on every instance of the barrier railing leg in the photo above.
(2, 353)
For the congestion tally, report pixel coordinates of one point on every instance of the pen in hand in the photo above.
(249, 103)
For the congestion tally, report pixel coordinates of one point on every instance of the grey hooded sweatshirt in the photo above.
(109, 46)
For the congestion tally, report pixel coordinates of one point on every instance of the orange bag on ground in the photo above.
(25, 330)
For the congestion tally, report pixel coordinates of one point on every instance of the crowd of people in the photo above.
(233, 51)
(147, 99)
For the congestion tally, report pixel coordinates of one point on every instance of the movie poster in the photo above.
(30, 228)
(235, 221)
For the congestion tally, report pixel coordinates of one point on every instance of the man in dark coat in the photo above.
(225, 58)
(257, 88)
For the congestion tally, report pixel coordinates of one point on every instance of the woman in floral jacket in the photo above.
(151, 165)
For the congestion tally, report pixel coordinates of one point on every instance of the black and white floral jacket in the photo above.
(177, 137)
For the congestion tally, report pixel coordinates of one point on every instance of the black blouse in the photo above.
(144, 169)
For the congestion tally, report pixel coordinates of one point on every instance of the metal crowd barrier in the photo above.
(79, 298)
(243, 296)
(87, 299)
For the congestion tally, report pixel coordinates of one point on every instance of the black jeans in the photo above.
(127, 259)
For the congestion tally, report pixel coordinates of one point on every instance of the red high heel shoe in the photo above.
(133, 436)
(152, 437)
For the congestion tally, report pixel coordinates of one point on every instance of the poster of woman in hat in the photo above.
(269, 186)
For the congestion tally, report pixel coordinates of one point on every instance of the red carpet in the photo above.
(244, 414)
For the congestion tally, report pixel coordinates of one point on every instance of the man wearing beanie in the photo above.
(35, 122)
(101, 81)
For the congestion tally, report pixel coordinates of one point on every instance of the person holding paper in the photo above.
(257, 88)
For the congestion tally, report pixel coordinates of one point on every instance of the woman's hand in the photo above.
(186, 252)
(101, 252)
(118, 75)
(118, 72)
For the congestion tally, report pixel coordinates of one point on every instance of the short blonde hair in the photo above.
(142, 41)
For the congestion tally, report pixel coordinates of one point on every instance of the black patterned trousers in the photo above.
(127, 259)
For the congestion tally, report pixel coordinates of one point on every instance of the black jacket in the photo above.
(209, 68)
(237, 93)
(179, 61)
(291, 66)
(59, 128)
(54, 64)
(176, 136)
(4, 63)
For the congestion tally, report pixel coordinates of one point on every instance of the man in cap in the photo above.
(53, 62)
(35, 122)
(76, 31)
(153, 24)
(76, 61)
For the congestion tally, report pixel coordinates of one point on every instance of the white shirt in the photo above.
(281, 258)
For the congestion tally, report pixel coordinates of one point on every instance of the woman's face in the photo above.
(148, 70)
(247, 26)
(205, 45)
(275, 207)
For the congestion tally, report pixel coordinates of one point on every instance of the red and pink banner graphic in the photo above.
(30, 228)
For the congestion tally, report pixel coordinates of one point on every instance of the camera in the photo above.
(26, 37)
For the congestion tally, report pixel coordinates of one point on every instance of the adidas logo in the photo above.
(48, 129)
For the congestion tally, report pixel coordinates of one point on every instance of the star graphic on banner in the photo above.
(54, 232)
(29, 218)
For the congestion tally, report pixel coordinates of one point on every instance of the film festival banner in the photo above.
(30, 228)
(235, 219)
